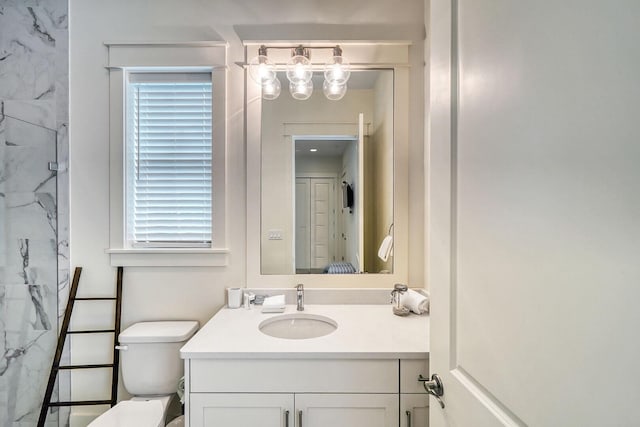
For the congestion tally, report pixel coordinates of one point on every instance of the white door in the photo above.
(315, 222)
(303, 218)
(346, 410)
(534, 212)
(360, 193)
(322, 222)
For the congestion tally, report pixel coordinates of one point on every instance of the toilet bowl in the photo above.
(151, 370)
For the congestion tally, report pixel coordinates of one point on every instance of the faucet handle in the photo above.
(300, 287)
(400, 287)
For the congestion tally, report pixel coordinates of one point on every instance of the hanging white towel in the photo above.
(385, 248)
(415, 301)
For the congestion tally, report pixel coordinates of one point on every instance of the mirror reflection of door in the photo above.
(315, 224)
(322, 225)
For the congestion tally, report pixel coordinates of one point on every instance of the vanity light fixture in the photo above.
(299, 66)
(301, 90)
(338, 70)
(271, 89)
(334, 90)
(299, 71)
(260, 69)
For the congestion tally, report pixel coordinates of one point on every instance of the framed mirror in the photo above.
(327, 189)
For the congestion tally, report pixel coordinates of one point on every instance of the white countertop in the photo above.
(364, 332)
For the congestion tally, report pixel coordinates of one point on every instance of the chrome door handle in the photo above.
(408, 418)
(433, 387)
(286, 418)
(300, 418)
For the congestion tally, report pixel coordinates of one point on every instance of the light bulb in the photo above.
(299, 66)
(301, 90)
(271, 89)
(338, 69)
(261, 70)
(334, 91)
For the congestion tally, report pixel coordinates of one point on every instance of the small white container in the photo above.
(234, 297)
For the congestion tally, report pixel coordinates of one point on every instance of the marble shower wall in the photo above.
(34, 270)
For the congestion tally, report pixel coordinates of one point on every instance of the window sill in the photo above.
(169, 257)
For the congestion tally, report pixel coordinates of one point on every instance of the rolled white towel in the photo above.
(415, 301)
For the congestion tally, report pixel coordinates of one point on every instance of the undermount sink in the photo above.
(298, 326)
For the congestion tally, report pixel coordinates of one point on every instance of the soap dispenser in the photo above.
(399, 309)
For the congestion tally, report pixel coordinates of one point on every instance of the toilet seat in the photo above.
(137, 412)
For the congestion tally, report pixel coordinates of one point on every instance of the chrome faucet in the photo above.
(300, 289)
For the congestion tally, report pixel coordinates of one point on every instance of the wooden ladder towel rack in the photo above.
(64, 331)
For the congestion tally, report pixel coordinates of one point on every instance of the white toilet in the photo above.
(151, 369)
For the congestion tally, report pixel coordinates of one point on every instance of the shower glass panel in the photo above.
(28, 268)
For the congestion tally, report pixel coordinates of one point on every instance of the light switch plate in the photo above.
(274, 234)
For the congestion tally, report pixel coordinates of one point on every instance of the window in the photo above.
(167, 125)
(168, 159)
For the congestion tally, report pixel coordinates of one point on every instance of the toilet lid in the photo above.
(131, 413)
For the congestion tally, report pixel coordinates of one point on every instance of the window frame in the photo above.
(186, 57)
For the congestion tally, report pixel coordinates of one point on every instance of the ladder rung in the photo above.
(81, 403)
(102, 365)
(95, 299)
(92, 331)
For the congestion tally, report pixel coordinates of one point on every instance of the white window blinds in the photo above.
(169, 155)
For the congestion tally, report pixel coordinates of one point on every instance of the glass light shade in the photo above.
(271, 89)
(301, 90)
(334, 91)
(261, 70)
(338, 70)
(299, 69)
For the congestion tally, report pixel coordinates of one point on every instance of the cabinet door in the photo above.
(414, 410)
(346, 410)
(241, 410)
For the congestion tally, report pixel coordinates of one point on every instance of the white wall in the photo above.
(196, 293)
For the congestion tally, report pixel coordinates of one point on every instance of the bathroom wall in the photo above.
(33, 202)
(196, 293)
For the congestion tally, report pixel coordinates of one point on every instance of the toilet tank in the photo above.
(150, 356)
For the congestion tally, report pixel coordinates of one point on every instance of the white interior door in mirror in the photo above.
(315, 223)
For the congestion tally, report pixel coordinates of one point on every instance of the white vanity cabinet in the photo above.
(293, 410)
(241, 409)
(304, 393)
(353, 410)
(414, 403)
(414, 410)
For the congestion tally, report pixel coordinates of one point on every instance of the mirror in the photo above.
(327, 179)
